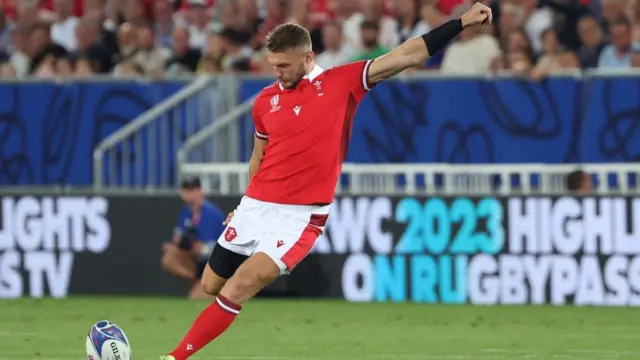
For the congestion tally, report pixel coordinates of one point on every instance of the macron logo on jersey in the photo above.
(296, 109)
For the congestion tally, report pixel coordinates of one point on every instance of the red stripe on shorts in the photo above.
(303, 246)
(318, 220)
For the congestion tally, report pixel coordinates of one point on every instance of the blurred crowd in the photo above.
(164, 38)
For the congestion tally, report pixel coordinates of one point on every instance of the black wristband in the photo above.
(439, 37)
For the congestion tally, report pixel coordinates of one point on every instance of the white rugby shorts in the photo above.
(286, 233)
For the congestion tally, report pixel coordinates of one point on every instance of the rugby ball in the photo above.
(106, 341)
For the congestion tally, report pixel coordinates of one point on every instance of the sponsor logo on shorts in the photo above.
(280, 243)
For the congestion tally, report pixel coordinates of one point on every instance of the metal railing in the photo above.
(224, 141)
(232, 179)
(220, 133)
(141, 154)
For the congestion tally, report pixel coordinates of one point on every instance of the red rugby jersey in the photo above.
(308, 131)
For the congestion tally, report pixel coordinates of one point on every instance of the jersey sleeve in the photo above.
(356, 77)
(260, 130)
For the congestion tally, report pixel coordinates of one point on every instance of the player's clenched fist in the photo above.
(478, 14)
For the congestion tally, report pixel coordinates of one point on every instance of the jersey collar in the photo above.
(314, 73)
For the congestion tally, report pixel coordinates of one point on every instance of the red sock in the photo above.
(210, 324)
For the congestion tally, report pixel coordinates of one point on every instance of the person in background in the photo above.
(537, 20)
(372, 11)
(612, 10)
(336, 52)
(409, 20)
(579, 182)
(64, 67)
(199, 23)
(184, 59)
(19, 59)
(90, 47)
(473, 53)
(371, 49)
(635, 57)
(42, 51)
(549, 60)
(63, 30)
(592, 38)
(617, 55)
(198, 229)
(151, 57)
(163, 26)
(301, 12)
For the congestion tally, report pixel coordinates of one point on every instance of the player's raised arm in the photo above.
(417, 50)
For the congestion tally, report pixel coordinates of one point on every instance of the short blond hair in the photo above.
(288, 36)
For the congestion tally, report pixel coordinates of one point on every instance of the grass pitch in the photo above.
(333, 330)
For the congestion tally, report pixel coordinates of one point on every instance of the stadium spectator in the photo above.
(210, 66)
(163, 25)
(579, 182)
(198, 18)
(473, 53)
(635, 57)
(549, 60)
(238, 27)
(19, 60)
(151, 57)
(250, 15)
(42, 51)
(85, 67)
(6, 71)
(106, 38)
(199, 226)
(131, 11)
(612, 12)
(276, 14)
(568, 15)
(184, 59)
(126, 40)
(592, 39)
(237, 53)
(64, 67)
(6, 47)
(63, 29)
(617, 55)
(214, 49)
(340, 10)
(409, 21)
(537, 20)
(370, 48)
(90, 48)
(510, 19)
(371, 11)
(336, 52)
(301, 12)
(128, 68)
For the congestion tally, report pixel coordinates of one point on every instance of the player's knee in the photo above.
(210, 288)
(248, 281)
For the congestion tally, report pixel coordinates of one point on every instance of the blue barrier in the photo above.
(558, 120)
(48, 130)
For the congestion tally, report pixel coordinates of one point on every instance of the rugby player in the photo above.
(303, 125)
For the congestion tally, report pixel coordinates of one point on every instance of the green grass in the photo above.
(333, 330)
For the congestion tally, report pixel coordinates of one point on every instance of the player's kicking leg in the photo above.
(273, 256)
(223, 264)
